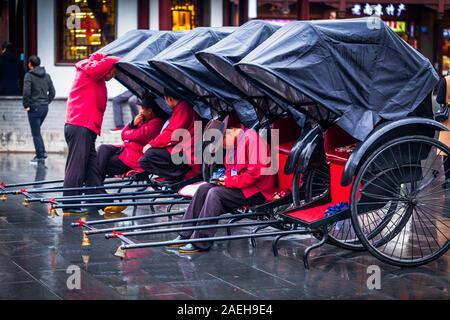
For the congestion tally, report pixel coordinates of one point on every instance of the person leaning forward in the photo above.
(85, 110)
(157, 158)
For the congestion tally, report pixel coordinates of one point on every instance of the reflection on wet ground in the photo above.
(35, 252)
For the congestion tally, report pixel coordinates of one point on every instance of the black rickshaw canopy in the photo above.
(134, 72)
(358, 69)
(221, 57)
(208, 93)
(124, 44)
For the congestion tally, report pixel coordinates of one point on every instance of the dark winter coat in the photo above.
(38, 89)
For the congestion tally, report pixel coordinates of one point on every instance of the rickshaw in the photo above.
(374, 127)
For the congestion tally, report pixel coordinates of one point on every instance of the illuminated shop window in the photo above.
(446, 52)
(89, 25)
(184, 15)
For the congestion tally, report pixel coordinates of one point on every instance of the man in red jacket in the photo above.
(245, 183)
(85, 109)
(157, 158)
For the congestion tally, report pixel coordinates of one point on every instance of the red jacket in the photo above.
(135, 138)
(88, 96)
(183, 117)
(250, 177)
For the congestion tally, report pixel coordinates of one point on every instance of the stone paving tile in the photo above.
(32, 290)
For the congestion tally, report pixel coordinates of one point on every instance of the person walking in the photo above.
(11, 71)
(38, 93)
(85, 110)
(117, 102)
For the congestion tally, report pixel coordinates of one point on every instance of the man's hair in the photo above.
(35, 61)
(172, 94)
(8, 47)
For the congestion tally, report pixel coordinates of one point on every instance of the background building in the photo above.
(49, 28)
(41, 26)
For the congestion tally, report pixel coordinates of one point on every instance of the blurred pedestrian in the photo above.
(118, 102)
(11, 71)
(38, 93)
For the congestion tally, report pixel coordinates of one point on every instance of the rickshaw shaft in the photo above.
(143, 217)
(178, 222)
(194, 228)
(223, 238)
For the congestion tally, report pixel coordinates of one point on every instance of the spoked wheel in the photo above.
(400, 204)
(314, 185)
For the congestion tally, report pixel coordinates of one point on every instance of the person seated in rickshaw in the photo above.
(121, 159)
(247, 182)
(157, 158)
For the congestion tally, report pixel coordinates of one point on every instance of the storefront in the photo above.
(65, 31)
(422, 24)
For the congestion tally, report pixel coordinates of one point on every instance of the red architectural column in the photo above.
(303, 9)
(165, 15)
(143, 14)
(243, 12)
(226, 13)
(31, 27)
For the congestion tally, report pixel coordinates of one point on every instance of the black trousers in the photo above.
(81, 166)
(109, 162)
(36, 117)
(210, 201)
(159, 162)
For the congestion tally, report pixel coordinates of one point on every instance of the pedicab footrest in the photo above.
(316, 217)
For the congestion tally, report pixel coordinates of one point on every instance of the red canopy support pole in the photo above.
(143, 14)
(165, 15)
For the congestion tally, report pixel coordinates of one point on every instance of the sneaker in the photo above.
(190, 249)
(37, 160)
(116, 130)
(45, 155)
(179, 238)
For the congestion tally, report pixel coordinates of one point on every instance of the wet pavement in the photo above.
(36, 252)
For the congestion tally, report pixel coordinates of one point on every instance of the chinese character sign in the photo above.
(378, 9)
